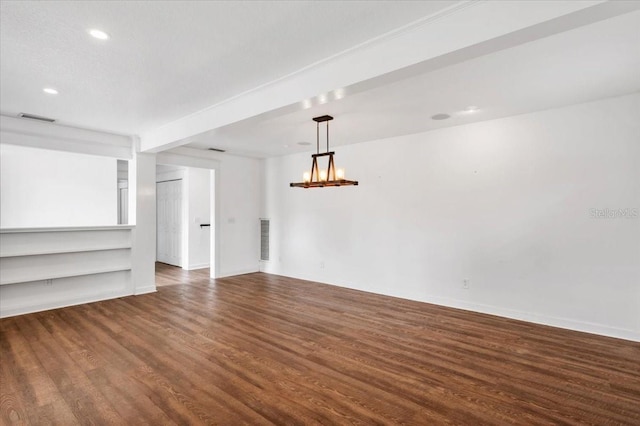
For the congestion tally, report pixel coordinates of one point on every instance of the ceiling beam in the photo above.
(35, 134)
(459, 33)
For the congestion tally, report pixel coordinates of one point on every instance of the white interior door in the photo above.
(169, 222)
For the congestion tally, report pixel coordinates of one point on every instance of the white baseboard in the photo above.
(197, 266)
(238, 272)
(145, 290)
(38, 307)
(566, 323)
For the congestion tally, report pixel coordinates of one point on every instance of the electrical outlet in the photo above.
(321, 265)
(48, 283)
(466, 283)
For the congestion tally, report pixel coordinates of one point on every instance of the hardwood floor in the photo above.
(264, 349)
(172, 275)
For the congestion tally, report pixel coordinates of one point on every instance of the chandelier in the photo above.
(320, 178)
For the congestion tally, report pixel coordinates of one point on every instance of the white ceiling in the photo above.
(588, 63)
(167, 59)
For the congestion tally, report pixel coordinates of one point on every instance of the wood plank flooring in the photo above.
(262, 349)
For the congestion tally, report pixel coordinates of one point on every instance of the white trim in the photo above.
(197, 266)
(568, 324)
(238, 272)
(145, 290)
(28, 309)
(65, 229)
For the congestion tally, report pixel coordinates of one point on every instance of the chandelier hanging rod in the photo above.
(319, 120)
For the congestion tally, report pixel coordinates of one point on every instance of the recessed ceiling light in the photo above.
(440, 116)
(100, 35)
(338, 94)
(471, 108)
(50, 90)
(286, 146)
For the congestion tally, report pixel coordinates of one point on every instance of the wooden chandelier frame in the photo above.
(314, 181)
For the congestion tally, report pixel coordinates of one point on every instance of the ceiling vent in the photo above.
(217, 149)
(36, 117)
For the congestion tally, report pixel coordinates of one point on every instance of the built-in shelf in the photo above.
(54, 276)
(45, 268)
(40, 254)
(18, 253)
(65, 229)
(18, 242)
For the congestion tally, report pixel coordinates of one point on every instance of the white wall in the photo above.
(238, 185)
(41, 188)
(506, 204)
(198, 198)
(142, 212)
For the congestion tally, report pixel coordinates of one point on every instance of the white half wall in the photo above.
(47, 268)
(520, 207)
(43, 188)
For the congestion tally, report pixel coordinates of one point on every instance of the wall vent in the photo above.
(264, 239)
(217, 150)
(36, 117)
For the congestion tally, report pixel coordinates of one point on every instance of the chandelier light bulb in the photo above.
(99, 34)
